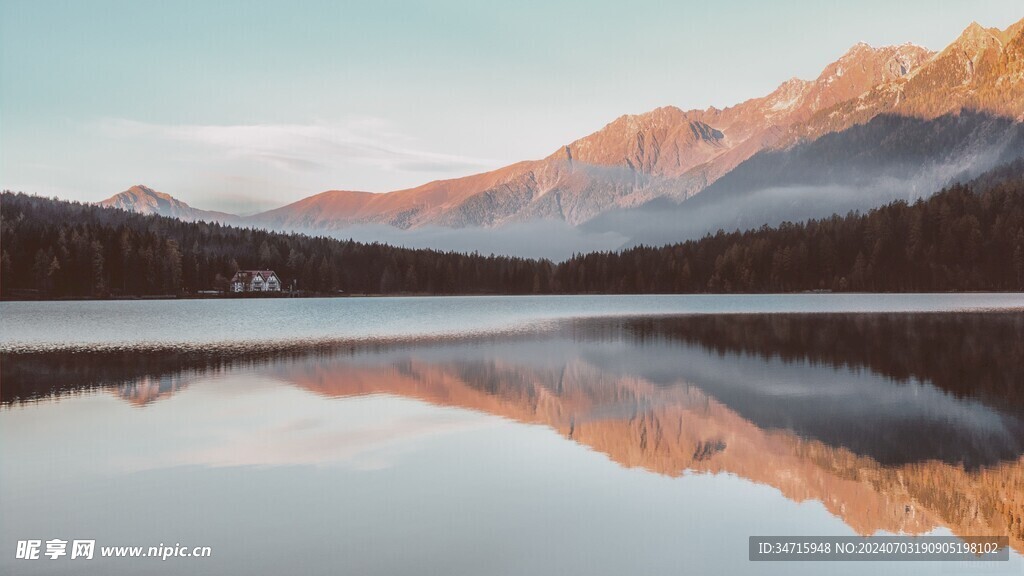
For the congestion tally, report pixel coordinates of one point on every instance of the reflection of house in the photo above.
(255, 281)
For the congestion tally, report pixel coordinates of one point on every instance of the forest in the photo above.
(967, 237)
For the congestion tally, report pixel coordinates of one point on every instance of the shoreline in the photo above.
(329, 296)
(532, 328)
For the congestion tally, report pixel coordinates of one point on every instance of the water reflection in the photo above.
(901, 423)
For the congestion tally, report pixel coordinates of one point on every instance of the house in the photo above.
(255, 281)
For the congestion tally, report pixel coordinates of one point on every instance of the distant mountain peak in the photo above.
(858, 48)
(1015, 30)
(884, 63)
(982, 70)
(861, 49)
(145, 200)
(976, 37)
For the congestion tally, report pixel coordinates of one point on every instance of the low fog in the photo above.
(551, 239)
(833, 175)
(663, 222)
(889, 158)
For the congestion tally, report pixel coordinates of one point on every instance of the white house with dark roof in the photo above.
(255, 281)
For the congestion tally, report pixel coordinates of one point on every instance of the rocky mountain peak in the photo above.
(145, 200)
(976, 37)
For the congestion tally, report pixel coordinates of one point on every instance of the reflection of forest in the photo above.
(665, 426)
(970, 354)
(977, 354)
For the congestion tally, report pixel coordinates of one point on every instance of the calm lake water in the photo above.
(201, 323)
(595, 435)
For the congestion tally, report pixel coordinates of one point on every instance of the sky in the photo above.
(248, 105)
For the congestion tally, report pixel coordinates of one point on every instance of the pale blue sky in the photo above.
(248, 105)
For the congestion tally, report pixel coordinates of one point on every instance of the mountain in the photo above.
(666, 152)
(948, 120)
(145, 200)
(891, 157)
(981, 70)
(659, 160)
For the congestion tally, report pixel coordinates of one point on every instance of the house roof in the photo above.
(246, 275)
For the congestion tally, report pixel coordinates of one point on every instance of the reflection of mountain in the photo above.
(898, 422)
(860, 410)
(138, 377)
(672, 429)
(149, 389)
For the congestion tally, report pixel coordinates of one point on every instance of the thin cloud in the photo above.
(301, 147)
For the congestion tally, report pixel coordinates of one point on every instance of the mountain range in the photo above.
(876, 124)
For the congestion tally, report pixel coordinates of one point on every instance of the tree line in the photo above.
(60, 249)
(966, 237)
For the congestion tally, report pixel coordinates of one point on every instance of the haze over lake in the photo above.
(548, 435)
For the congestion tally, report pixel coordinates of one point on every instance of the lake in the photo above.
(200, 324)
(509, 435)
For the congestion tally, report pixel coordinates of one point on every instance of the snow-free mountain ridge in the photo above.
(669, 153)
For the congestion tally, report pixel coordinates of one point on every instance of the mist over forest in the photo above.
(967, 237)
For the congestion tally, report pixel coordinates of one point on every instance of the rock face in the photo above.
(666, 152)
(145, 200)
(982, 70)
(891, 157)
